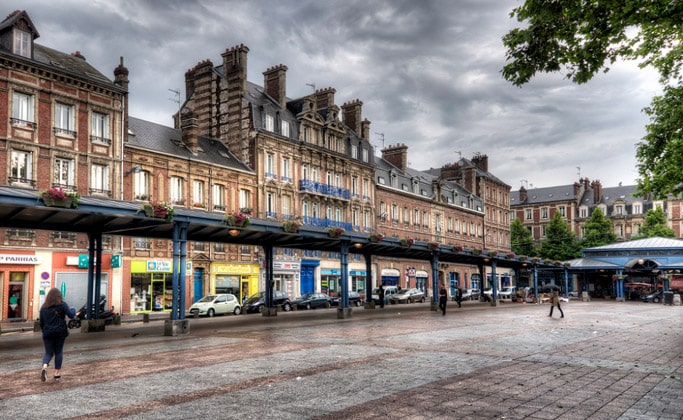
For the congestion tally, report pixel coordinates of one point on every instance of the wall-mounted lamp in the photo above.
(136, 169)
(358, 245)
(234, 232)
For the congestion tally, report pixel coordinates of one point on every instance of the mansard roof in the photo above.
(546, 195)
(158, 138)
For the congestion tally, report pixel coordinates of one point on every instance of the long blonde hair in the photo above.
(53, 298)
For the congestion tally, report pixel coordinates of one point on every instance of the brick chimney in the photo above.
(577, 189)
(481, 162)
(235, 67)
(597, 190)
(274, 83)
(199, 88)
(365, 128)
(522, 194)
(189, 130)
(121, 79)
(450, 171)
(324, 97)
(397, 155)
(351, 115)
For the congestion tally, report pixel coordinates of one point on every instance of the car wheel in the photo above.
(410, 301)
(260, 308)
(287, 307)
(357, 303)
(210, 313)
(237, 310)
(327, 305)
(308, 306)
(655, 300)
(422, 300)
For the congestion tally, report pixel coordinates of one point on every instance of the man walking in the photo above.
(443, 298)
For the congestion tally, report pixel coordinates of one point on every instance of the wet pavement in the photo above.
(603, 360)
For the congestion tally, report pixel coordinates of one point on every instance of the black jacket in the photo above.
(53, 322)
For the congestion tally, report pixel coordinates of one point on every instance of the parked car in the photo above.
(407, 296)
(508, 293)
(655, 297)
(471, 294)
(211, 305)
(257, 302)
(388, 292)
(312, 301)
(354, 299)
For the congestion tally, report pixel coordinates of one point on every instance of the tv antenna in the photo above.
(459, 154)
(312, 85)
(176, 99)
(382, 136)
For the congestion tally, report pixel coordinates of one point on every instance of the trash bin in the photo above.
(668, 298)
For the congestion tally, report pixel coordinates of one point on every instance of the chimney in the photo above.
(324, 97)
(235, 67)
(274, 83)
(121, 79)
(522, 194)
(365, 128)
(396, 155)
(450, 171)
(597, 191)
(481, 162)
(351, 115)
(189, 130)
(577, 189)
(200, 96)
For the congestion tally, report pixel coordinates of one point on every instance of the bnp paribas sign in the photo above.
(19, 259)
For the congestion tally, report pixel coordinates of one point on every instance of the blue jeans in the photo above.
(54, 346)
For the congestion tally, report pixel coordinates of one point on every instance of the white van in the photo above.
(388, 291)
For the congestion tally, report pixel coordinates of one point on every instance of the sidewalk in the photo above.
(604, 360)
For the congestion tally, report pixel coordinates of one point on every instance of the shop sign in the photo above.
(357, 273)
(286, 265)
(159, 267)
(19, 259)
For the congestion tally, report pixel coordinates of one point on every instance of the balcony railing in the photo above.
(19, 180)
(64, 131)
(320, 222)
(98, 139)
(325, 189)
(22, 123)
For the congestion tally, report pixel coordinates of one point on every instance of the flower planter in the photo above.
(67, 203)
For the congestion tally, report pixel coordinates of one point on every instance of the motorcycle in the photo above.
(107, 314)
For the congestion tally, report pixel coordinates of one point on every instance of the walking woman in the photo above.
(555, 301)
(53, 315)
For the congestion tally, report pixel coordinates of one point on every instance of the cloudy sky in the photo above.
(428, 73)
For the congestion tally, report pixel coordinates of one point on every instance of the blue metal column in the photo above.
(566, 282)
(268, 251)
(176, 271)
(98, 275)
(435, 277)
(368, 277)
(182, 275)
(91, 276)
(494, 283)
(179, 270)
(344, 260)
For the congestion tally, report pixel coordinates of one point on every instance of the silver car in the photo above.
(211, 305)
(407, 296)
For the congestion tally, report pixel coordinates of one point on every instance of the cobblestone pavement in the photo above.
(604, 360)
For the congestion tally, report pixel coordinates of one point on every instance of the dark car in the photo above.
(257, 302)
(655, 297)
(354, 299)
(312, 301)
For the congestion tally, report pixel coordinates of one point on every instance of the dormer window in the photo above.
(21, 43)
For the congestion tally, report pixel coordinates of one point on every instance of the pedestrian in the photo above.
(458, 297)
(443, 297)
(555, 301)
(380, 293)
(53, 315)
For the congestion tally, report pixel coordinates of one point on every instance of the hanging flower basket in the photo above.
(157, 210)
(406, 242)
(291, 226)
(335, 232)
(458, 248)
(476, 251)
(58, 197)
(511, 255)
(375, 237)
(237, 219)
(433, 246)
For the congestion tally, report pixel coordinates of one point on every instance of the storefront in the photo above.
(238, 279)
(151, 285)
(16, 285)
(422, 280)
(286, 277)
(329, 281)
(358, 279)
(71, 278)
(390, 276)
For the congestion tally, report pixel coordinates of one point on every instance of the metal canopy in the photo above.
(21, 208)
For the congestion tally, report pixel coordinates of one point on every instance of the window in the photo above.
(198, 193)
(270, 205)
(337, 214)
(64, 173)
(365, 155)
(176, 184)
(394, 180)
(354, 151)
(636, 209)
(619, 210)
(425, 219)
(270, 123)
(270, 166)
(416, 187)
(406, 215)
(284, 127)
(394, 213)
(584, 212)
(219, 247)
(21, 167)
(544, 213)
(219, 197)
(562, 211)
(416, 217)
(354, 186)
(354, 219)
(286, 170)
(286, 206)
(366, 189)
(22, 109)
(142, 243)
(245, 199)
(141, 185)
(527, 214)
(99, 128)
(64, 119)
(22, 43)
(304, 172)
(99, 179)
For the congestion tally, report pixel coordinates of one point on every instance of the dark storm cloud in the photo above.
(428, 73)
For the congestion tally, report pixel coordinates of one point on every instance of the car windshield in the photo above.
(403, 292)
(306, 296)
(255, 298)
(208, 298)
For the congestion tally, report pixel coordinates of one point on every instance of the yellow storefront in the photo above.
(239, 279)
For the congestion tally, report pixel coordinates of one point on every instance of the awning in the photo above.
(390, 272)
(421, 273)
